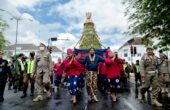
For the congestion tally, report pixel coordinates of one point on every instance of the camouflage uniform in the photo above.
(13, 79)
(164, 70)
(20, 68)
(42, 67)
(27, 78)
(148, 66)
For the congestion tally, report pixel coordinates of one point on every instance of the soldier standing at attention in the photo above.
(4, 73)
(148, 69)
(42, 70)
(164, 72)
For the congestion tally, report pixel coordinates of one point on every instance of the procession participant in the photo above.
(72, 68)
(4, 73)
(42, 70)
(63, 66)
(121, 62)
(113, 74)
(137, 72)
(20, 70)
(164, 72)
(58, 71)
(92, 60)
(125, 66)
(103, 81)
(127, 70)
(15, 76)
(52, 76)
(123, 74)
(148, 69)
(12, 69)
(27, 76)
(81, 78)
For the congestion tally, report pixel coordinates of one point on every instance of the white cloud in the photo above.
(115, 48)
(66, 43)
(28, 3)
(28, 31)
(107, 16)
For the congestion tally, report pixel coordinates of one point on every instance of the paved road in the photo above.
(60, 101)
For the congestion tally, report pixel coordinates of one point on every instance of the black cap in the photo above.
(160, 51)
(21, 54)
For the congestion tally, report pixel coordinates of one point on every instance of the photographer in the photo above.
(4, 73)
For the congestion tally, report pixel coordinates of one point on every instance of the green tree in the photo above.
(151, 19)
(3, 26)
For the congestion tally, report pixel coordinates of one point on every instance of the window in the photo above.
(125, 55)
(18, 48)
(139, 54)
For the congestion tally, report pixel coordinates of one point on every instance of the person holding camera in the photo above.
(4, 73)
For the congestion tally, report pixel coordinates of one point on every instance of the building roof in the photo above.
(29, 47)
(22, 46)
(133, 41)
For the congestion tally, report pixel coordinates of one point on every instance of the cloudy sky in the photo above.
(64, 19)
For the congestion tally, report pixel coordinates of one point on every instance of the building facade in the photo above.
(27, 48)
(125, 50)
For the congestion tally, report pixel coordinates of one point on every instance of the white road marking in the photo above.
(129, 105)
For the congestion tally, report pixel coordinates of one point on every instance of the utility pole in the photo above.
(17, 18)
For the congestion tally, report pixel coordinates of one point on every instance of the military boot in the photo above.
(166, 90)
(140, 96)
(24, 95)
(15, 90)
(9, 88)
(156, 103)
(38, 98)
(32, 92)
(48, 94)
(162, 90)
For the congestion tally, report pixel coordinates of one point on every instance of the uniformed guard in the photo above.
(20, 70)
(42, 70)
(4, 73)
(12, 69)
(164, 72)
(137, 72)
(27, 76)
(148, 70)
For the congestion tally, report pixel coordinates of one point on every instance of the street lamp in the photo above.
(17, 18)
